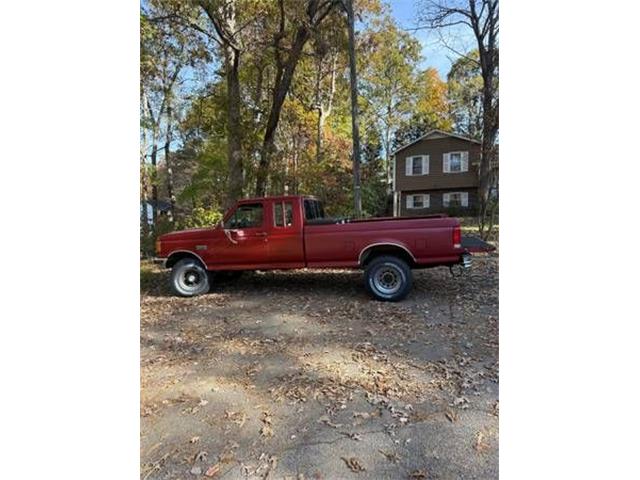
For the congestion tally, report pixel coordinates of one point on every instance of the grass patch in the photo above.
(153, 278)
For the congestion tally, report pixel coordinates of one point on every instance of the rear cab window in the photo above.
(313, 210)
(283, 214)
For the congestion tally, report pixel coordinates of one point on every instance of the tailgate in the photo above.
(476, 244)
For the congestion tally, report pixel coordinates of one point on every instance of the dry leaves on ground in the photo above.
(266, 430)
(354, 464)
(213, 470)
(393, 457)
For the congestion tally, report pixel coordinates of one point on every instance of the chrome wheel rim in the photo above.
(191, 279)
(388, 279)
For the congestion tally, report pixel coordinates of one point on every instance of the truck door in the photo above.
(285, 242)
(244, 241)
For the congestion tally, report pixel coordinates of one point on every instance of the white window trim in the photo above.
(408, 166)
(410, 201)
(464, 162)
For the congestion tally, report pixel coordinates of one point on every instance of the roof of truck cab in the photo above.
(277, 197)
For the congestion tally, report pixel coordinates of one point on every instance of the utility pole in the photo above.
(355, 124)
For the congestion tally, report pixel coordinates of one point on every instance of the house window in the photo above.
(418, 165)
(455, 199)
(418, 201)
(455, 162)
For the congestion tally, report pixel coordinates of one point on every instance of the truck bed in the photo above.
(427, 240)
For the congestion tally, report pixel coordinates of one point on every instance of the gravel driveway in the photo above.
(300, 375)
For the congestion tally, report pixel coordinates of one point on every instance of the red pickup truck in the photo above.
(290, 232)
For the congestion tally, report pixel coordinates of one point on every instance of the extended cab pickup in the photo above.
(290, 232)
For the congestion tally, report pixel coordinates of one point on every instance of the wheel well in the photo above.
(387, 249)
(177, 256)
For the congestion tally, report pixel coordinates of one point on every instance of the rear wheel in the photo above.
(388, 278)
(189, 278)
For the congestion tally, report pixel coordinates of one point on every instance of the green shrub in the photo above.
(202, 217)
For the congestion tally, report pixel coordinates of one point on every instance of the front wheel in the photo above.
(189, 278)
(388, 278)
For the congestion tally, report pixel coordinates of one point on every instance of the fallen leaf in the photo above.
(480, 444)
(363, 415)
(451, 415)
(200, 456)
(354, 464)
(418, 475)
(226, 457)
(325, 419)
(393, 457)
(194, 440)
(213, 470)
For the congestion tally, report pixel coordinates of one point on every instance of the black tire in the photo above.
(388, 278)
(189, 278)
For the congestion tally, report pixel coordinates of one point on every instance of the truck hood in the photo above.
(190, 234)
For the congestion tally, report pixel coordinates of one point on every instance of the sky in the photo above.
(433, 50)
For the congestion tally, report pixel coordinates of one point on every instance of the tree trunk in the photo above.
(318, 106)
(223, 18)
(234, 134)
(167, 161)
(357, 200)
(387, 141)
(154, 183)
(324, 112)
(280, 89)
(144, 218)
(144, 204)
(487, 152)
(489, 134)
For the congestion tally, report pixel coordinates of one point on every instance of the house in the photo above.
(162, 209)
(436, 173)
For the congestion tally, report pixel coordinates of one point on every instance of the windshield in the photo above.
(313, 209)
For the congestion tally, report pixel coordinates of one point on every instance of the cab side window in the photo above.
(283, 214)
(247, 216)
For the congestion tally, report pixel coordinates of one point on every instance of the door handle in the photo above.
(261, 234)
(228, 233)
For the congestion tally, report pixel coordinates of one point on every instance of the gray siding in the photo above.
(437, 179)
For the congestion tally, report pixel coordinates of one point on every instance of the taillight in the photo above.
(456, 236)
(158, 247)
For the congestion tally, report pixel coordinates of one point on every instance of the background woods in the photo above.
(253, 97)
